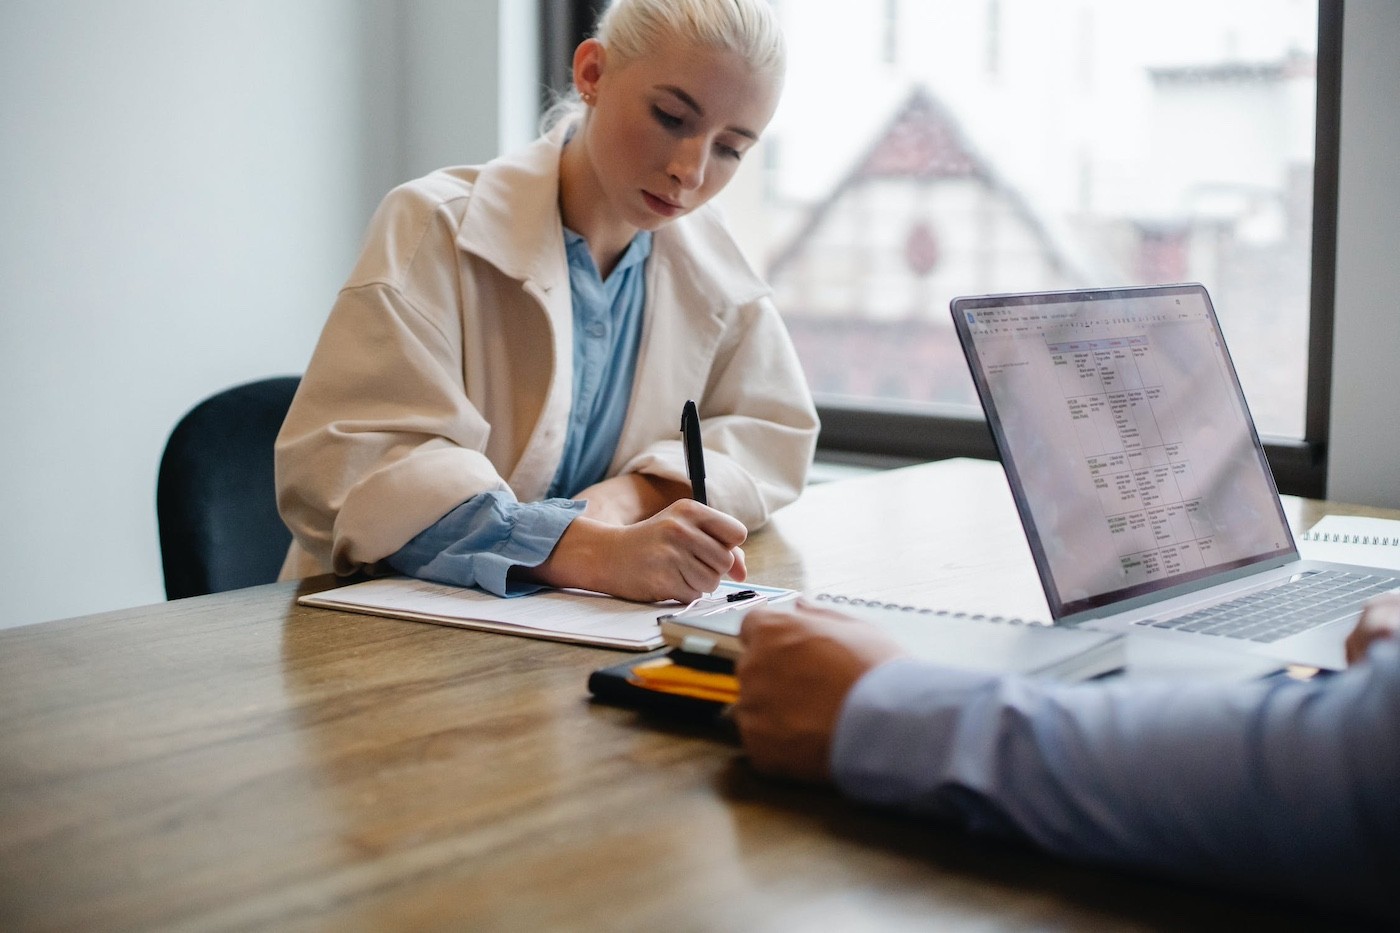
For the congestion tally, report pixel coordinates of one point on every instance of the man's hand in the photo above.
(1380, 619)
(794, 674)
(679, 553)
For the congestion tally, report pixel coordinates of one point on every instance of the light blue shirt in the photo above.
(477, 543)
(1276, 786)
(607, 336)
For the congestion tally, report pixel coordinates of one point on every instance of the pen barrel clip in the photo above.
(694, 451)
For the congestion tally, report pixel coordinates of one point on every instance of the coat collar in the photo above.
(513, 218)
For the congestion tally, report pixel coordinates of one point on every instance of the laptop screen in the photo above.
(1125, 438)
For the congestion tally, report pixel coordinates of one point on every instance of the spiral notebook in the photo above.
(969, 641)
(1351, 539)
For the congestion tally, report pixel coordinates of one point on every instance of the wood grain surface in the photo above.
(237, 762)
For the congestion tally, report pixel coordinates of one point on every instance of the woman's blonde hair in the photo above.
(629, 29)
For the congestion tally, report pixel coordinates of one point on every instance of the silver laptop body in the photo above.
(1139, 477)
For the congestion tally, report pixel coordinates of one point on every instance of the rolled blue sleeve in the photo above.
(477, 543)
(1276, 786)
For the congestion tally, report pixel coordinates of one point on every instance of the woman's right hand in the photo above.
(679, 553)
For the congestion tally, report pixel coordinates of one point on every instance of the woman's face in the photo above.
(667, 131)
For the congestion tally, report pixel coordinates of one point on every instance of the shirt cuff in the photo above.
(477, 543)
(896, 734)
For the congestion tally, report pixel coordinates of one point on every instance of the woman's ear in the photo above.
(589, 59)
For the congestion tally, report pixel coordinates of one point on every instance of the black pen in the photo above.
(694, 452)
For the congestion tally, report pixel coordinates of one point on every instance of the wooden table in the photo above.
(239, 762)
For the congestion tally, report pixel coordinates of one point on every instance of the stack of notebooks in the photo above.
(695, 674)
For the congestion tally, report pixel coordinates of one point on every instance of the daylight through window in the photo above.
(930, 148)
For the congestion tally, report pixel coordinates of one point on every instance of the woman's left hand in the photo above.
(630, 498)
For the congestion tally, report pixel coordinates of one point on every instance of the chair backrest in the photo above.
(216, 500)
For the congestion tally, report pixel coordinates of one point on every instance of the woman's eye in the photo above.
(728, 152)
(668, 120)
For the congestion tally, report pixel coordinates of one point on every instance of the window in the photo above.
(929, 148)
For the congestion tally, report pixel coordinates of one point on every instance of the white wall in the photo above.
(184, 186)
(1364, 456)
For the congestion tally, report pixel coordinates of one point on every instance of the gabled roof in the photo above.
(922, 142)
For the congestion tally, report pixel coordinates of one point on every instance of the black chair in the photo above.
(216, 501)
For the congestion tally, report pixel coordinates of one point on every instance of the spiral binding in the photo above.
(1337, 537)
(838, 600)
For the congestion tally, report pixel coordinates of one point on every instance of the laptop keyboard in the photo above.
(1308, 600)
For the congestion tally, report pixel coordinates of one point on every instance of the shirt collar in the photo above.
(637, 251)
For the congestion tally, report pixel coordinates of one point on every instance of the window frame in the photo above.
(883, 434)
(563, 25)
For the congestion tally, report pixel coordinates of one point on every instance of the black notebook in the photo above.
(617, 684)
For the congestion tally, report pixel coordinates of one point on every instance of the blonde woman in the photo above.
(495, 399)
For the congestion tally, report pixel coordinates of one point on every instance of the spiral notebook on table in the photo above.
(1352, 539)
(969, 641)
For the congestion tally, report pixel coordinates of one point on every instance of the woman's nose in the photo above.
(688, 160)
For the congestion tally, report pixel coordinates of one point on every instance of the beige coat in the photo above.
(445, 369)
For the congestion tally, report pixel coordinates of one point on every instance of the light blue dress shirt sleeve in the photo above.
(1275, 786)
(477, 543)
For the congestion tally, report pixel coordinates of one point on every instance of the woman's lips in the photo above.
(660, 205)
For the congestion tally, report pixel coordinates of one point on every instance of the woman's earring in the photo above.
(586, 97)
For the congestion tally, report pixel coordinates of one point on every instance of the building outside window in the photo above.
(930, 148)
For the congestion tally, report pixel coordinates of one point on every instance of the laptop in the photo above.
(1139, 477)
